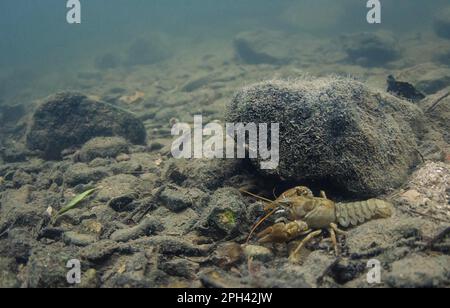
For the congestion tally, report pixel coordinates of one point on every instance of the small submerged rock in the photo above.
(103, 147)
(81, 173)
(117, 186)
(124, 203)
(180, 268)
(176, 200)
(403, 89)
(420, 271)
(77, 239)
(258, 253)
(67, 120)
(226, 215)
(146, 227)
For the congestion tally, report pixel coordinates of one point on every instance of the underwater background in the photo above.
(86, 170)
(36, 42)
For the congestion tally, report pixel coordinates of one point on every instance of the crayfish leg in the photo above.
(305, 241)
(334, 241)
(337, 230)
(333, 231)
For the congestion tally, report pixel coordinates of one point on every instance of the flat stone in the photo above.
(77, 239)
(258, 253)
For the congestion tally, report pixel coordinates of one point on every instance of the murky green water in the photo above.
(36, 41)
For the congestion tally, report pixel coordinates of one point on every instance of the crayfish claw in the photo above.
(274, 234)
(282, 232)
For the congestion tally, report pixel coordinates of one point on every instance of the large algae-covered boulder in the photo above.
(335, 131)
(67, 120)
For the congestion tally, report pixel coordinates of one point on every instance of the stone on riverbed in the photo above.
(67, 120)
(335, 131)
(103, 147)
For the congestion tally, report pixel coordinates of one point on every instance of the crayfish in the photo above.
(309, 215)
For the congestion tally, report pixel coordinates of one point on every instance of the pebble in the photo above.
(77, 239)
(123, 157)
(258, 253)
(176, 200)
(412, 196)
(147, 227)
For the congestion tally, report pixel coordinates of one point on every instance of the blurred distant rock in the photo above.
(427, 77)
(103, 147)
(370, 49)
(67, 120)
(262, 47)
(335, 131)
(442, 23)
(443, 57)
(107, 61)
(146, 51)
(403, 89)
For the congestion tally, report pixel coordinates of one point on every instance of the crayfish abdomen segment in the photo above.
(355, 213)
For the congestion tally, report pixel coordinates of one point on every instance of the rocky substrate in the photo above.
(154, 221)
(185, 224)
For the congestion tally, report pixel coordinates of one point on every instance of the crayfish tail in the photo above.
(355, 213)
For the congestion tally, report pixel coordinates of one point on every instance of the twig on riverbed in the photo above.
(439, 237)
(436, 103)
(7, 229)
(427, 215)
(137, 215)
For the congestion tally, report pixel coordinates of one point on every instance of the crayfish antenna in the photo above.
(255, 196)
(262, 219)
(259, 223)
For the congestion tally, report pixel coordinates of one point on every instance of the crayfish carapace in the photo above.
(308, 216)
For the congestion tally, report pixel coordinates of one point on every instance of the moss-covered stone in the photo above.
(67, 120)
(336, 131)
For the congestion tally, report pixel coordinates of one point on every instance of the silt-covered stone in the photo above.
(335, 131)
(68, 120)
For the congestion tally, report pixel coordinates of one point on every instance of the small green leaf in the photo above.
(75, 201)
